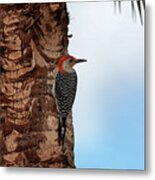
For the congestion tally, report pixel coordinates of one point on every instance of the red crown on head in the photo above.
(62, 59)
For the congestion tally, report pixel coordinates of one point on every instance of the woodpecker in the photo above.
(65, 91)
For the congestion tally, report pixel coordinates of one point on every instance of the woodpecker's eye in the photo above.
(71, 60)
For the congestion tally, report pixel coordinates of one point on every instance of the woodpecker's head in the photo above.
(66, 63)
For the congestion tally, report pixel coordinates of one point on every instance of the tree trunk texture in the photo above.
(32, 39)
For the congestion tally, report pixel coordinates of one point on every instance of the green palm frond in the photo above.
(133, 10)
(140, 11)
(135, 4)
(143, 2)
(119, 6)
(115, 6)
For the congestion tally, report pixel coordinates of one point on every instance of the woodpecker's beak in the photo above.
(80, 60)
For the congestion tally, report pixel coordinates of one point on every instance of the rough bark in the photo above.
(32, 39)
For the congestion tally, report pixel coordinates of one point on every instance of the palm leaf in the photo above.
(143, 2)
(115, 6)
(119, 6)
(140, 11)
(139, 5)
(133, 10)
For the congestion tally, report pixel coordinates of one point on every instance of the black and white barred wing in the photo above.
(65, 91)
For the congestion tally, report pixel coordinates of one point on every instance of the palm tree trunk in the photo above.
(32, 38)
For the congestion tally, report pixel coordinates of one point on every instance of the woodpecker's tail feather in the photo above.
(59, 132)
(62, 130)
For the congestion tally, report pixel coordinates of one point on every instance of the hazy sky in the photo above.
(109, 108)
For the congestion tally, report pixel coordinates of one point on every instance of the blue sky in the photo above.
(108, 113)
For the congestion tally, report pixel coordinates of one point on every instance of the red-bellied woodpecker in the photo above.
(65, 91)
